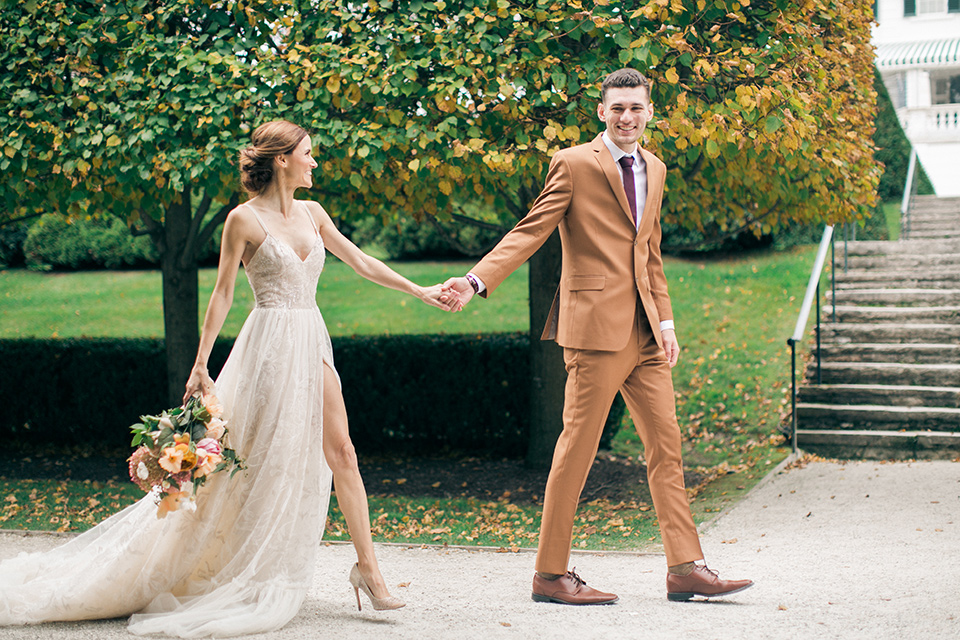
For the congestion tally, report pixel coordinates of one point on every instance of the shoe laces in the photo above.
(715, 574)
(577, 579)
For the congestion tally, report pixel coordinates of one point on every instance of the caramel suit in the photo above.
(606, 316)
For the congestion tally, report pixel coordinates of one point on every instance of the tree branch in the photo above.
(708, 241)
(20, 219)
(217, 220)
(197, 220)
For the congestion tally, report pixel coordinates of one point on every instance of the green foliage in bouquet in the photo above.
(179, 449)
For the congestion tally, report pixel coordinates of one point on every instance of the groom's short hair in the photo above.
(624, 78)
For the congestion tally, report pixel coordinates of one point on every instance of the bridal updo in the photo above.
(269, 140)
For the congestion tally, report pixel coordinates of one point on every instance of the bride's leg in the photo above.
(351, 496)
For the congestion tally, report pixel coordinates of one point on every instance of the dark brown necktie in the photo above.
(626, 166)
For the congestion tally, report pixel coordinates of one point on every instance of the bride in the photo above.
(242, 561)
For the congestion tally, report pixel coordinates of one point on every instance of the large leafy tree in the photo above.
(765, 111)
(135, 109)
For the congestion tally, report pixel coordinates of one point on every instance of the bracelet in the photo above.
(473, 282)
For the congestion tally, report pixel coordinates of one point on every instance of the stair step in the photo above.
(886, 395)
(920, 279)
(901, 262)
(909, 315)
(905, 333)
(880, 445)
(932, 234)
(903, 247)
(910, 353)
(878, 417)
(915, 296)
(927, 375)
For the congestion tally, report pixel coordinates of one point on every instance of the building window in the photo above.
(927, 7)
(946, 89)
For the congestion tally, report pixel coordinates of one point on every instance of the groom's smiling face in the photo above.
(626, 112)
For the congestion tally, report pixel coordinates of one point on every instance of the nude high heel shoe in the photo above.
(379, 604)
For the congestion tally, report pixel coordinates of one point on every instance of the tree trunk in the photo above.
(546, 358)
(180, 298)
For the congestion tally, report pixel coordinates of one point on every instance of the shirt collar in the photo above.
(617, 152)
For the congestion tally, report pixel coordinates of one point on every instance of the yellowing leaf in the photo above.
(414, 164)
(113, 141)
(671, 76)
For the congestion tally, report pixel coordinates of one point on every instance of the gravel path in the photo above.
(837, 550)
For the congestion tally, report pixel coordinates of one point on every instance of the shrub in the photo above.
(893, 149)
(398, 391)
(408, 239)
(56, 242)
(12, 237)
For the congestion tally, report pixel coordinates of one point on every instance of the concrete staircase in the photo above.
(891, 360)
(933, 218)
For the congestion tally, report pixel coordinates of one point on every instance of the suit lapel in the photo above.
(612, 172)
(654, 177)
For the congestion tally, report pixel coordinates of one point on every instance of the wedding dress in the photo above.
(242, 561)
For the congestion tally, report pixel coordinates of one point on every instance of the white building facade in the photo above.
(918, 56)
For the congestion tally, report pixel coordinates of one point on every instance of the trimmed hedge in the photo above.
(407, 395)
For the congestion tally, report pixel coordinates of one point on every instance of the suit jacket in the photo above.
(607, 262)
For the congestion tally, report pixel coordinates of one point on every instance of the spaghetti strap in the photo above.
(257, 216)
(312, 221)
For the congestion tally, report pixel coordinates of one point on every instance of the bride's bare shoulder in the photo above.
(242, 220)
(318, 213)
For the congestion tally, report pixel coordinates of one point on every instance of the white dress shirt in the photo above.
(639, 172)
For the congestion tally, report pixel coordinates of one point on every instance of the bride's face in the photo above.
(298, 165)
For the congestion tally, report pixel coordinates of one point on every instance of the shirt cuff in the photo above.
(666, 324)
(482, 287)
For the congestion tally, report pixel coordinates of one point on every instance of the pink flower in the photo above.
(210, 445)
(144, 469)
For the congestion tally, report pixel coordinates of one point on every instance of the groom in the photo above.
(612, 316)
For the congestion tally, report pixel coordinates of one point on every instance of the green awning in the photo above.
(906, 55)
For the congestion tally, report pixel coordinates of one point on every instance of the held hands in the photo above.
(461, 289)
(198, 382)
(437, 296)
(670, 346)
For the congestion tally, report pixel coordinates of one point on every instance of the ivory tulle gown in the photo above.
(243, 560)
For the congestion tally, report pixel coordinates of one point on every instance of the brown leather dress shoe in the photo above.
(702, 582)
(569, 589)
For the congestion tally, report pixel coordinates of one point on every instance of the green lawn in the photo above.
(891, 214)
(732, 384)
(129, 304)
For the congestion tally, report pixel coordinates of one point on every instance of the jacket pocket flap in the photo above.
(586, 283)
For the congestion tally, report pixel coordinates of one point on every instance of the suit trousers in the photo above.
(641, 373)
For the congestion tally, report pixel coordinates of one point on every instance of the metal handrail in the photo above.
(909, 190)
(812, 293)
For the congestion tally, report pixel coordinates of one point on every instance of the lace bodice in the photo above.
(280, 279)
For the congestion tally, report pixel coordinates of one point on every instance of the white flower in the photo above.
(166, 422)
(142, 472)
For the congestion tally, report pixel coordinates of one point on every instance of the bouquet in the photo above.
(178, 450)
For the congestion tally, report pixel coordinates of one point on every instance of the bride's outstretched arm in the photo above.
(232, 246)
(374, 270)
